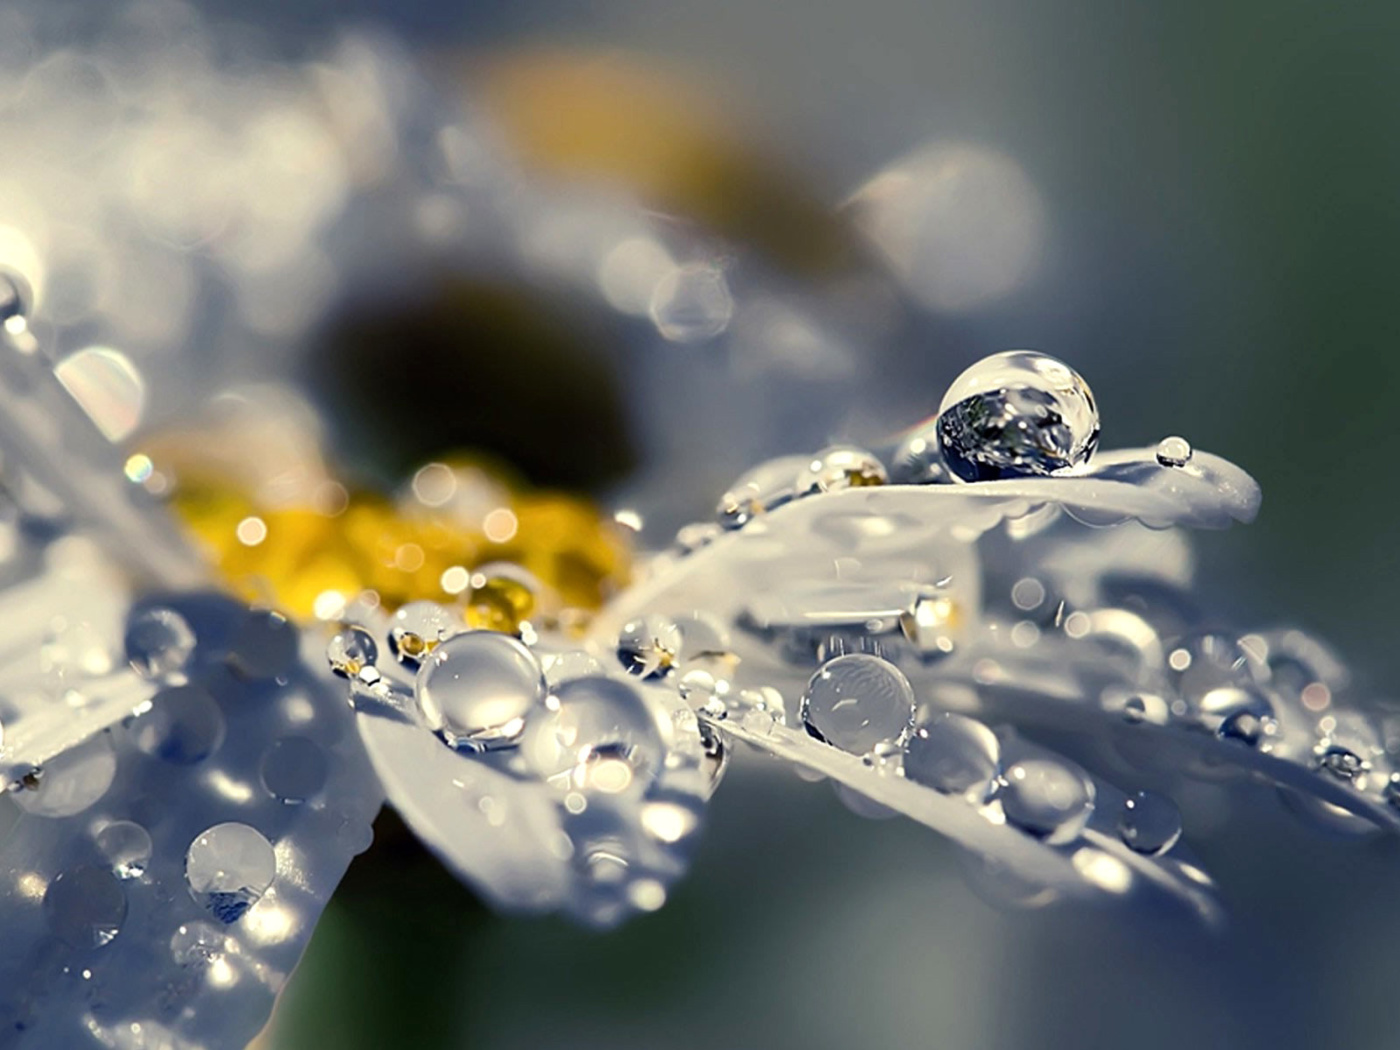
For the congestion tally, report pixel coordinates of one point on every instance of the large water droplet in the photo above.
(762, 489)
(953, 754)
(1017, 413)
(477, 689)
(229, 867)
(184, 725)
(649, 647)
(1149, 823)
(854, 702)
(294, 769)
(159, 643)
(595, 716)
(1048, 797)
(85, 906)
(841, 467)
(126, 846)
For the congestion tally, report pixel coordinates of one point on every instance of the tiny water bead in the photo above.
(762, 489)
(159, 643)
(856, 701)
(1173, 452)
(1014, 414)
(351, 651)
(1149, 823)
(416, 629)
(477, 689)
(294, 769)
(841, 467)
(1047, 797)
(126, 846)
(649, 647)
(85, 907)
(184, 725)
(228, 868)
(953, 754)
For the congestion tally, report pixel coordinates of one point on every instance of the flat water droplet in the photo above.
(264, 646)
(184, 725)
(1048, 797)
(159, 643)
(71, 782)
(1149, 823)
(762, 489)
(197, 943)
(85, 906)
(649, 647)
(294, 769)
(854, 702)
(107, 386)
(351, 651)
(476, 690)
(1174, 452)
(228, 868)
(1015, 414)
(692, 303)
(953, 754)
(126, 846)
(841, 467)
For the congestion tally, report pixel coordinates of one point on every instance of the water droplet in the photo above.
(74, 650)
(1149, 823)
(294, 769)
(953, 754)
(692, 303)
(716, 755)
(854, 702)
(1206, 660)
(1236, 712)
(351, 651)
(1341, 762)
(917, 461)
(649, 647)
(71, 782)
(1173, 452)
(931, 624)
(762, 489)
(159, 643)
(477, 690)
(85, 906)
(841, 467)
(416, 629)
(1048, 797)
(107, 386)
(603, 715)
(264, 646)
(16, 301)
(127, 847)
(228, 868)
(197, 943)
(183, 726)
(502, 598)
(1014, 414)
